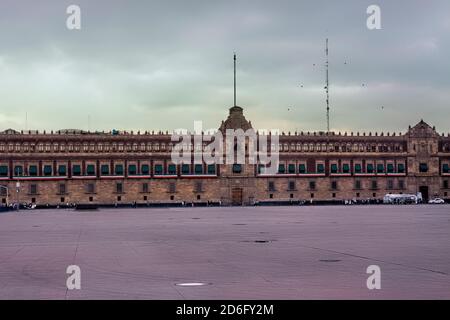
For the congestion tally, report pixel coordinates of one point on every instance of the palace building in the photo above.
(74, 166)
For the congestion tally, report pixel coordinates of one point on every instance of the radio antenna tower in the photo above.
(327, 87)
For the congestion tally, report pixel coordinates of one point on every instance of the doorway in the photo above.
(424, 191)
(236, 196)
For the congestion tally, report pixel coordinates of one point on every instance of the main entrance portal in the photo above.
(424, 191)
(236, 196)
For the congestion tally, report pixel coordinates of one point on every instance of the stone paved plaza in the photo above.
(319, 252)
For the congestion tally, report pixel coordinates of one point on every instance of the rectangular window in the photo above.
(380, 168)
(18, 171)
(105, 169)
(423, 167)
(185, 169)
(346, 168)
(47, 170)
(76, 170)
(172, 169)
(32, 171)
(158, 169)
(198, 186)
(445, 168)
(358, 184)
(334, 168)
(271, 186)
(62, 188)
(198, 168)
(374, 184)
(291, 185)
(291, 168)
(302, 168)
(369, 168)
(119, 187)
(145, 187)
(62, 170)
(211, 169)
(90, 170)
(118, 170)
(312, 185)
(390, 168)
(90, 188)
(281, 168)
(172, 187)
(237, 168)
(390, 184)
(334, 185)
(401, 184)
(33, 188)
(445, 184)
(145, 169)
(3, 171)
(320, 168)
(358, 168)
(401, 168)
(132, 170)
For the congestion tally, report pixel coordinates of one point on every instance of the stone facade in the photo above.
(73, 166)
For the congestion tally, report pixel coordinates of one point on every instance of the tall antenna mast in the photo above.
(234, 79)
(327, 87)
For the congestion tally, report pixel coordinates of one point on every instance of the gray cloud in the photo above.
(163, 64)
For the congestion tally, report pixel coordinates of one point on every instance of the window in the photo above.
(401, 184)
(158, 169)
(198, 169)
(302, 168)
(237, 168)
(320, 168)
(172, 188)
(445, 184)
(33, 188)
(119, 187)
(132, 170)
(334, 185)
(358, 168)
(198, 186)
(3, 171)
(185, 169)
(62, 188)
(401, 168)
(346, 168)
(271, 186)
(291, 168)
(334, 168)
(445, 168)
(291, 185)
(172, 169)
(380, 168)
(390, 184)
(423, 167)
(390, 168)
(369, 168)
(281, 168)
(312, 185)
(358, 184)
(90, 188)
(145, 169)
(76, 170)
(47, 170)
(374, 184)
(118, 170)
(18, 171)
(32, 171)
(62, 170)
(145, 187)
(104, 169)
(211, 169)
(90, 170)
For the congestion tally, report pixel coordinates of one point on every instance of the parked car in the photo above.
(436, 201)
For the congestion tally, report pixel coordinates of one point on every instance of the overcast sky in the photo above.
(163, 64)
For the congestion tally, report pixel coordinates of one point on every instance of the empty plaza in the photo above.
(295, 252)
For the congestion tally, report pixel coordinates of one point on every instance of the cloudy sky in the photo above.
(163, 64)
